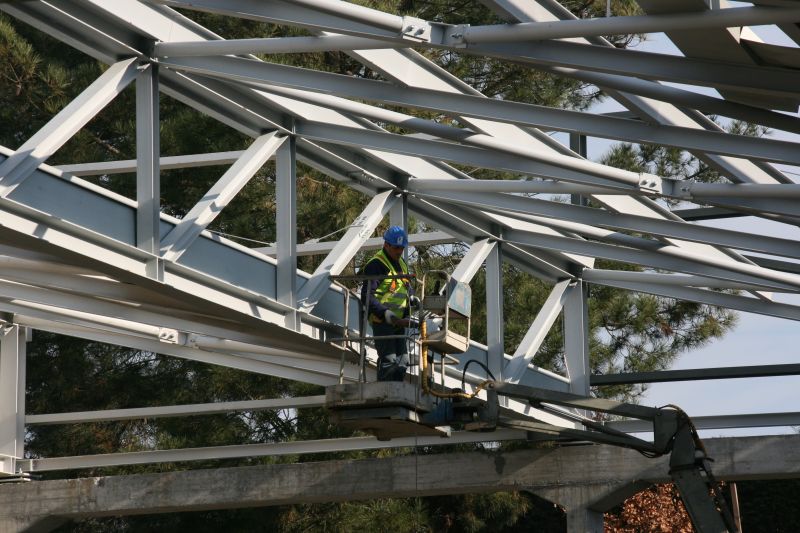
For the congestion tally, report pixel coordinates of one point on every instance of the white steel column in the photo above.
(148, 182)
(494, 313)
(12, 397)
(576, 337)
(286, 231)
(536, 334)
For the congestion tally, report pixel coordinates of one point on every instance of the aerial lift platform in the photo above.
(417, 407)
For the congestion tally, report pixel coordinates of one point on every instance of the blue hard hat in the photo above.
(396, 236)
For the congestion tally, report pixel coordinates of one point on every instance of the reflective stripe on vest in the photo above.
(392, 293)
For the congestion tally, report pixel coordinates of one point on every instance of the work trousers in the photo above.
(392, 353)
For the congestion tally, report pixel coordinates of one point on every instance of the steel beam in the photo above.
(55, 322)
(729, 301)
(294, 13)
(286, 228)
(65, 124)
(165, 163)
(764, 81)
(504, 203)
(177, 241)
(667, 257)
(750, 420)
(659, 278)
(259, 450)
(359, 231)
(281, 45)
(622, 25)
(148, 174)
(324, 247)
(472, 261)
(495, 334)
(538, 330)
(12, 397)
(576, 338)
(175, 410)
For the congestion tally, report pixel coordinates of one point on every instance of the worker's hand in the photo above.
(394, 320)
(416, 303)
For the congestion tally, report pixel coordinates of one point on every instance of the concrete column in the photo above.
(12, 397)
(584, 504)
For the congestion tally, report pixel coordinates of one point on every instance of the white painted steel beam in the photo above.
(710, 297)
(12, 397)
(540, 165)
(175, 410)
(295, 13)
(359, 231)
(324, 247)
(621, 25)
(65, 324)
(165, 163)
(754, 420)
(148, 174)
(65, 124)
(495, 331)
(576, 339)
(177, 241)
(538, 330)
(503, 203)
(659, 278)
(282, 45)
(286, 228)
(472, 260)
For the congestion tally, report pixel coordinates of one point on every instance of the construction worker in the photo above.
(388, 306)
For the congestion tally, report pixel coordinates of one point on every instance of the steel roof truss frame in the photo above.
(419, 59)
(167, 411)
(637, 93)
(165, 163)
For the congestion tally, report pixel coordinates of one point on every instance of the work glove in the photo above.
(416, 303)
(390, 317)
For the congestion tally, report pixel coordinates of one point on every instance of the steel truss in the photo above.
(82, 261)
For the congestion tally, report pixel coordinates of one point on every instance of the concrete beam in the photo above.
(43, 504)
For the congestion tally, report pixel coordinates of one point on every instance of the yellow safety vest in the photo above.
(393, 293)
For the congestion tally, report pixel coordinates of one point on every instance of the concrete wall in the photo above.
(584, 479)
